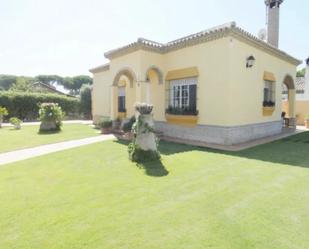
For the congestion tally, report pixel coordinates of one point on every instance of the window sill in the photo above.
(268, 110)
(122, 115)
(183, 120)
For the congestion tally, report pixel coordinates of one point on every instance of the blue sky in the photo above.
(67, 37)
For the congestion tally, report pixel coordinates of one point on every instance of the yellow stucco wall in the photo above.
(210, 59)
(101, 97)
(301, 110)
(228, 93)
(246, 84)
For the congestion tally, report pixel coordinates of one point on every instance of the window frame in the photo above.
(121, 95)
(271, 87)
(181, 83)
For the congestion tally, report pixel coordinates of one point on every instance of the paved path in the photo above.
(65, 122)
(18, 155)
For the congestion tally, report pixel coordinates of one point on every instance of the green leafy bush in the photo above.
(3, 111)
(25, 106)
(85, 100)
(136, 154)
(51, 113)
(127, 127)
(15, 121)
(105, 123)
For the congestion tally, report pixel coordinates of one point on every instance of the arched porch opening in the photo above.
(154, 69)
(125, 72)
(288, 101)
(123, 94)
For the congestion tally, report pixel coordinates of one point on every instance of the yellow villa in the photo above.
(221, 86)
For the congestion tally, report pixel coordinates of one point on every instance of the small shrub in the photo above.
(136, 154)
(127, 127)
(105, 123)
(51, 116)
(3, 111)
(16, 122)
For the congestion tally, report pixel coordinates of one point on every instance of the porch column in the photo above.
(139, 91)
(292, 116)
(114, 104)
(146, 91)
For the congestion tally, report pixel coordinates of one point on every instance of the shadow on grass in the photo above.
(153, 168)
(49, 132)
(293, 150)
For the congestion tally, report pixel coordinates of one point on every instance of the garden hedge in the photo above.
(26, 105)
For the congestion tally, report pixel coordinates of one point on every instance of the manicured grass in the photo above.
(28, 136)
(93, 197)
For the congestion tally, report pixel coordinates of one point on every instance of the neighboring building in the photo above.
(302, 97)
(45, 88)
(222, 85)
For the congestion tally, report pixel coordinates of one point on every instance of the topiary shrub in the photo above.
(144, 146)
(51, 116)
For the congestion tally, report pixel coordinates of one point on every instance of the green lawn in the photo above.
(28, 136)
(93, 197)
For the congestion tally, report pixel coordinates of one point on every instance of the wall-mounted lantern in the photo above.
(250, 61)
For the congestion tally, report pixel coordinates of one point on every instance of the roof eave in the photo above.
(102, 68)
(239, 33)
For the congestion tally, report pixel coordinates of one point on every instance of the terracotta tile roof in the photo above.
(200, 37)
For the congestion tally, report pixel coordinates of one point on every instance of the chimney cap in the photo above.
(273, 3)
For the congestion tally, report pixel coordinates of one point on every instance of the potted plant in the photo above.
(117, 123)
(16, 122)
(51, 116)
(3, 112)
(106, 125)
(307, 121)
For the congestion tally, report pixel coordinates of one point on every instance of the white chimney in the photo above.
(273, 17)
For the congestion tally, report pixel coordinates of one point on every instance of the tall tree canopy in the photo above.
(301, 73)
(49, 79)
(74, 84)
(6, 81)
(22, 83)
